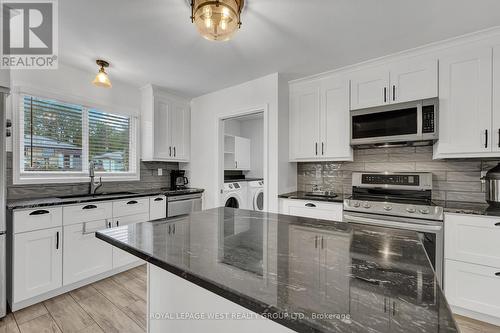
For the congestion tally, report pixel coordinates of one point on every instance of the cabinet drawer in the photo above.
(91, 211)
(473, 287)
(313, 209)
(474, 239)
(157, 207)
(130, 219)
(36, 219)
(130, 207)
(84, 254)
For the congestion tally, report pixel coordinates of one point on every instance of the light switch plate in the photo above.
(160, 172)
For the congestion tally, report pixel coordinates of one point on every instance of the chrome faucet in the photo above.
(93, 185)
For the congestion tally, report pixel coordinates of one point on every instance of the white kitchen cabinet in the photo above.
(157, 207)
(131, 206)
(37, 263)
(86, 212)
(465, 103)
(237, 152)
(313, 209)
(473, 287)
(84, 254)
(370, 87)
(398, 82)
(495, 130)
(36, 219)
(319, 120)
(165, 126)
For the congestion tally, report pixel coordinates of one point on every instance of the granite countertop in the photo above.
(335, 277)
(56, 201)
(300, 195)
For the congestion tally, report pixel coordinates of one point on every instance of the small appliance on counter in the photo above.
(492, 180)
(178, 180)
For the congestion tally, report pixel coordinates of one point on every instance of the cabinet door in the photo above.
(304, 121)
(84, 254)
(473, 287)
(162, 136)
(120, 257)
(242, 153)
(335, 121)
(37, 262)
(413, 79)
(304, 268)
(370, 87)
(495, 131)
(157, 207)
(179, 128)
(465, 95)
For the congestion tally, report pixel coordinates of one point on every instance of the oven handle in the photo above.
(393, 224)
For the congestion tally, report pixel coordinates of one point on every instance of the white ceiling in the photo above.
(153, 41)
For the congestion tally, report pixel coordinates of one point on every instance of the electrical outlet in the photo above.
(160, 172)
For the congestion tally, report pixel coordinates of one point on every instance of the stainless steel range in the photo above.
(401, 201)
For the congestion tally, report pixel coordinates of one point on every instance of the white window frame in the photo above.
(21, 177)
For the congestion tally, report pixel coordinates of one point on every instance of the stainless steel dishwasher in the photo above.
(183, 204)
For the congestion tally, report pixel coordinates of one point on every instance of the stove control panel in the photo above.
(394, 209)
(382, 179)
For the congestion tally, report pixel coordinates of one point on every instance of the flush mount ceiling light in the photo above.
(217, 19)
(102, 79)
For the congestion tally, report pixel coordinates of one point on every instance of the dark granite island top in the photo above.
(308, 275)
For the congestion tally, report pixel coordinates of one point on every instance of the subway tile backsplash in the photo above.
(455, 180)
(149, 180)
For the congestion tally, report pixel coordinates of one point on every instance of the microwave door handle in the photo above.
(420, 120)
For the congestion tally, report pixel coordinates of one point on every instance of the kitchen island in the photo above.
(231, 270)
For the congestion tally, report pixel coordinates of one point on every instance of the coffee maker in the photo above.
(178, 180)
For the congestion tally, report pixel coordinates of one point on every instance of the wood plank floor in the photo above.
(117, 304)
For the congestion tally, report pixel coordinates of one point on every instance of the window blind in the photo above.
(52, 135)
(109, 141)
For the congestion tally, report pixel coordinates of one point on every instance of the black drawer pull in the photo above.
(39, 212)
(497, 273)
(497, 224)
(132, 202)
(159, 199)
(89, 207)
(310, 205)
(57, 240)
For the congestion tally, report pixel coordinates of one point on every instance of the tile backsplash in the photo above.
(454, 179)
(149, 180)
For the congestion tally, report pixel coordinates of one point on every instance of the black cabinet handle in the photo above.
(39, 212)
(173, 229)
(393, 308)
(322, 243)
(159, 199)
(310, 205)
(394, 92)
(385, 94)
(315, 242)
(497, 273)
(169, 151)
(117, 223)
(316, 147)
(385, 305)
(169, 229)
(497, 224)
(174, 152)
(89, 207)
(322, 148)
(499, 138)
(57, 240)
(486, 139)
(109, 224)
(132, 202)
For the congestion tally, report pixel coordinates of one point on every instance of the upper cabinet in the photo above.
(319, 120)
(468, 124)
(236, 153)
(165, 126)
(397, 82)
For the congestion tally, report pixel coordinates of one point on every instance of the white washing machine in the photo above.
(256, 195)
(235, 195)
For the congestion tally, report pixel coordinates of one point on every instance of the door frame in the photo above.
(264, 109)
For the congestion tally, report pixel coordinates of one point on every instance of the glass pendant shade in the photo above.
(217, 20)
(102, 79)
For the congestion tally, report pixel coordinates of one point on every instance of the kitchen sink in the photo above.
(95, 195)
(323, 194)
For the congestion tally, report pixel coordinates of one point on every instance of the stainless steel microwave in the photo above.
(412, 123)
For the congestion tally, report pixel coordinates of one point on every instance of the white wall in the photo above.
(254, 130)
(207, 110)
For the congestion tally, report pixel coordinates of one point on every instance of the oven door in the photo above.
(429, 232)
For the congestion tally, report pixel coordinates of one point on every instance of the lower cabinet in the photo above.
(312, 209)
(84, 254)
(120, 257)
(37, 263)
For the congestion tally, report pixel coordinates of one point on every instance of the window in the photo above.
(57, 140)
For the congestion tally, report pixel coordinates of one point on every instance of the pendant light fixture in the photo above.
(217, 19)
(102, 79)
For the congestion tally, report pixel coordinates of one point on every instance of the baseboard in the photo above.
(64, 289)
(475, 315)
